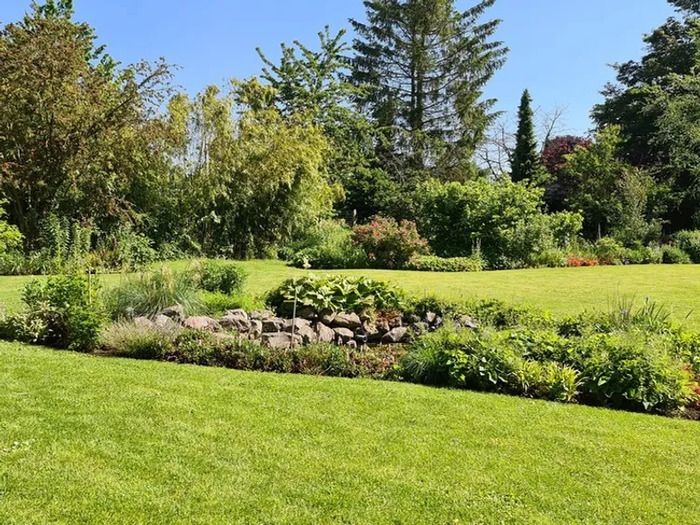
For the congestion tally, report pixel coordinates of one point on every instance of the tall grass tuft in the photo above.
(147, 294)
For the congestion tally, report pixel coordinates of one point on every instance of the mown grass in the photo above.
(563, 290)
(94, 440)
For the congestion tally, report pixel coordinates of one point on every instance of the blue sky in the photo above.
(559, 49)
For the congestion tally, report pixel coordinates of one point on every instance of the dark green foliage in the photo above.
(525, 164)
(222, 276)
(424, 65)
(674, 255)
(433, 263)
(62, 312)
(335, 294)
(147, 294)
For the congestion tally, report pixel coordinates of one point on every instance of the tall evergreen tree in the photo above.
(424, 64)
(526, 160)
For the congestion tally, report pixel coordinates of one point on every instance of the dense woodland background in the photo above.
(380, 150)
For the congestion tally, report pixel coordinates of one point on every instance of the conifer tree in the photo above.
(423, 65)
(526, 160)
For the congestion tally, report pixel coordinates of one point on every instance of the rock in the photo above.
(144, 322)
(256, 329)
(324, 334)
(467, 322)
(327, 318)
(280, 340)
(345, 320)
(297, 323)
(273, 324)
(361, 338)
(412, 319)
(261, 315)
(175, 312)
(382, 326)
(352, 344)
(439, 321)
(369, 333)
(164, 322)
(395, 335)
(395, 322)
(430, 317)
(419, 328)
(308, 335)
(236, 320)
(200, 322)
(343, 334)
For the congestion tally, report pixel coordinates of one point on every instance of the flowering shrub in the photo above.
(389, 244)
(576, 261)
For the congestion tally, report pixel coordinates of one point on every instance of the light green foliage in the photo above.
(125, 339)
(263, 177)
(611, 194)
(222, 276)
(433, 263)
(148, 293)
(64, 311)
(335, 294)
(328, 245)
(502, 221)
(689, 242)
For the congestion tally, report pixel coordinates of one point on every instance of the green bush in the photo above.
(214, 303)
(674, 255)
(125, 249)
(335, 293)
(689, 242)
(608, 251)
(388, 243)
(644, 255)
(147, 294)
(433, 263)
(550, 258)
(64, 312)
(222, 276)
(329, 246)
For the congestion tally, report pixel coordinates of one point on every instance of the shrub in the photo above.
(217, 302)
(138, 341)
(65, 312)
(577, 261)
(689, 242)
(335, 294)
(644, 255)
(674, 255)
(147, 294)
(551, 258)
(608, 251)
(222, 276)
(632, 371)
(329, 245)
(125, 249)
(389, 244)
(433, 263)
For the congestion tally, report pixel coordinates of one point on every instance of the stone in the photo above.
(307, 334)
(256, 329)
(352, 343)
(164, 322)
(430, 317)
(419, 328)
(467, 322)
(297, 323)
(345, 320)
(280, 340)
(273, 324)
(327, 318)
(236, 320)
(175, 312)
(343, 334)
(382, 326)
(144, 322)
(261, 315)
(395, 335)
(395, 322)
(413, 319)
(200, 322)
(324, 334)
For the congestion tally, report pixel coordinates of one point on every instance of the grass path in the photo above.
(97, 440)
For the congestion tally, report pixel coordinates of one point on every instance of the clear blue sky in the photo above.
(559, 49)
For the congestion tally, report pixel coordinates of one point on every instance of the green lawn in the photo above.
(563, 291)
(86, 439)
